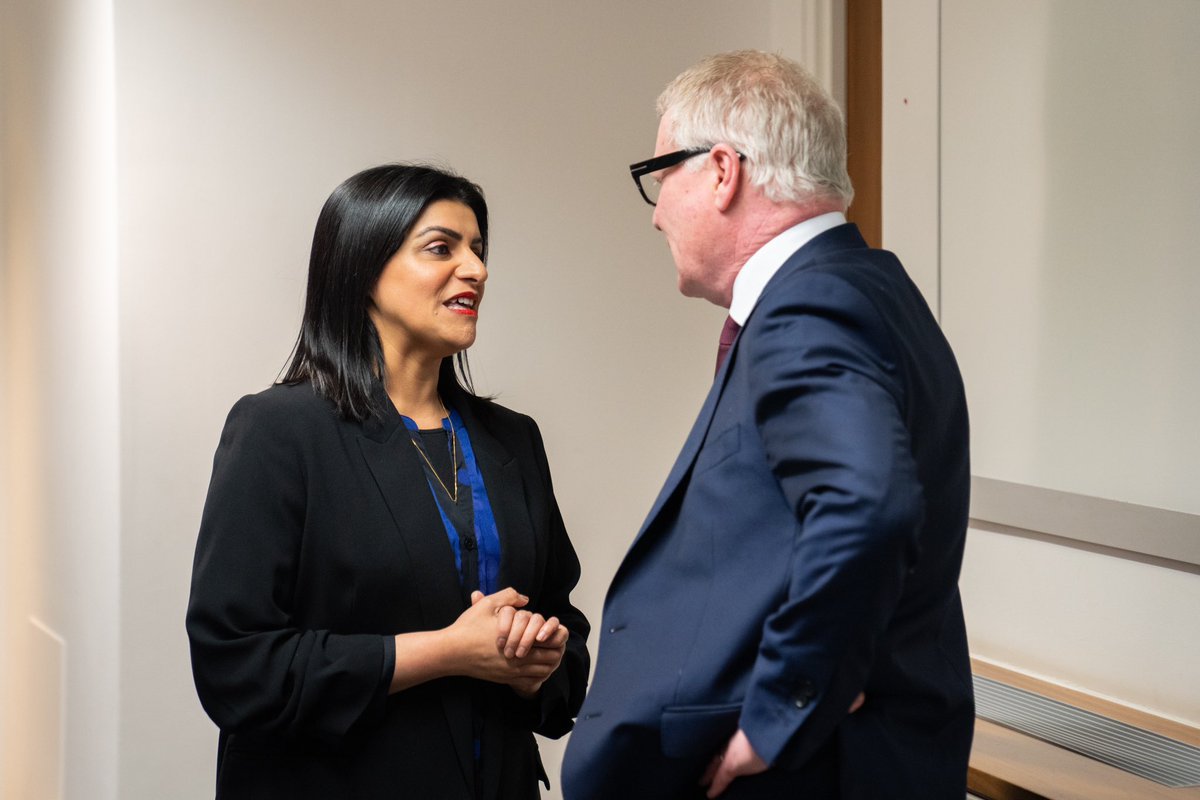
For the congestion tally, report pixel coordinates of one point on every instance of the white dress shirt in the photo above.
(762, 266)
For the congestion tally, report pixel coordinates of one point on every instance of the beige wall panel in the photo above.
(1060, 215)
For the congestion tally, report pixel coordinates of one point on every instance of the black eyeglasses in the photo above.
(644, 168)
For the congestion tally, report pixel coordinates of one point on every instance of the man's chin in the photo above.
(700, 292)
(690, 288)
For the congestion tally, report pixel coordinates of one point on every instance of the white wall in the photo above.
(58, 353)
(204, 136)
(1039, 174)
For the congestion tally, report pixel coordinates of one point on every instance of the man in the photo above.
(805, 550)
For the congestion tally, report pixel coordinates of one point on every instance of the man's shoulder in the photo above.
(838, 264)
(836, 280)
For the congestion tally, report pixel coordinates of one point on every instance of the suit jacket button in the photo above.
(804, 694)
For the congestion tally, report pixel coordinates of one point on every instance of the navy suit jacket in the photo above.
(805, 547)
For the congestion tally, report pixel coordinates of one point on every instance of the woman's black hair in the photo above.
(361, 226)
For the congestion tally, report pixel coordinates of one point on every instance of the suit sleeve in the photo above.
(829, 410)
(553, 711)
(254, 669)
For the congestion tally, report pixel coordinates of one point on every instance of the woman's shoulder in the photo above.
(285, 397)
(517, 432)
(496, 416)
(283, 407)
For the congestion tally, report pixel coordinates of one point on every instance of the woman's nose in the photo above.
(473, 268)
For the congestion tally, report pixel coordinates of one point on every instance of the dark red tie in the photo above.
(728, 334)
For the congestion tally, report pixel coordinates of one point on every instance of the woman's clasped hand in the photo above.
(525, 647)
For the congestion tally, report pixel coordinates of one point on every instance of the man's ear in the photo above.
(727, 168)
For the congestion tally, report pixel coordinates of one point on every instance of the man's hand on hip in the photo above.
(739, 759)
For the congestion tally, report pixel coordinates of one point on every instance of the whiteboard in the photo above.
(1070, 241)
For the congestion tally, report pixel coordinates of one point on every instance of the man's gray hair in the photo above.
(771, 110)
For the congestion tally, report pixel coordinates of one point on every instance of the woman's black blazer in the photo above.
(320, 540)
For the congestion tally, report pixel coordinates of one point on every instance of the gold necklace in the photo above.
(453, 458)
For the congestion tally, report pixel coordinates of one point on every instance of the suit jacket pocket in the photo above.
(698, 731)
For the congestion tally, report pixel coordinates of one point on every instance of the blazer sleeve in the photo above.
(829, 411)
(553, 711)
(254, 668)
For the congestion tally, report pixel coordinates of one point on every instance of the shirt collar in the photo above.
(762, 266)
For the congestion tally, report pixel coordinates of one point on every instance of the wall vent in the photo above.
(1141, 752)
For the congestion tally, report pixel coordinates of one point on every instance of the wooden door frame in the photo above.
(864, 115)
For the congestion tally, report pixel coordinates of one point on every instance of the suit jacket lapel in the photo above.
(401, 480)
(840, 238)
(506, 493)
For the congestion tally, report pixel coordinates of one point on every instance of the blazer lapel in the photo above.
(506, 493)
(401, 480)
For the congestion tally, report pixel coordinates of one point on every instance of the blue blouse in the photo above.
(486, 545)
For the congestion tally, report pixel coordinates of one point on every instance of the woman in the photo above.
(380, 600)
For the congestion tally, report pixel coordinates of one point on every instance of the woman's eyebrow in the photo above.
(453, 234)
